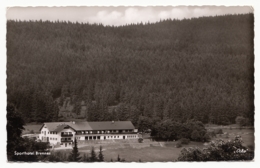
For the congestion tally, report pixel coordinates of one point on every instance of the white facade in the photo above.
(65, 135)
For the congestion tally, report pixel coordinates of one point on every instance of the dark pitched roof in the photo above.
(108, 125)
(78, 126)
(57, 126)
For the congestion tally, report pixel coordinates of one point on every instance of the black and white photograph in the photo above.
(130, 84)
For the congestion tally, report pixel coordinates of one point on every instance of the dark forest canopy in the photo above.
(201, 68)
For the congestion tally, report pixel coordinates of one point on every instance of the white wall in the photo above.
(55, 138)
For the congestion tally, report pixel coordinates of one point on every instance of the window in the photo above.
(114, 136)
(117, 136)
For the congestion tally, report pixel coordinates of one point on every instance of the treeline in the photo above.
(169, 130)
(199, 69)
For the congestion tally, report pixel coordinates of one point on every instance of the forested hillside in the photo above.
(199, 68)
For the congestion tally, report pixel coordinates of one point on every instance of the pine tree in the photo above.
(74, 155)
(93, 156)
(100, 155)
(118, 158)
(14, 130)
(85, 158)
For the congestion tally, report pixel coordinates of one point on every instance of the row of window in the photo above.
(53, 138)
(112, 137)
(66, 143)
(102, 132)
(88, 132)
(131, 136)
(52, 132)
(66, 133)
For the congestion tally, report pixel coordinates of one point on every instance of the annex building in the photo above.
(64, 133)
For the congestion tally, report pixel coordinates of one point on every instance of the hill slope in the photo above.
(195, 68)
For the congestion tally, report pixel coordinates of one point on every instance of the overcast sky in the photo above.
(118, 15)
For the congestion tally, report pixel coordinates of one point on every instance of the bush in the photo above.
(218, 131)
(251, 147)
(184, 141)
(212, 134)
(140, 140)
(227, 135)
(178, 144)
(214, 152)
(242, 121)
(206, 138)
(195, 135)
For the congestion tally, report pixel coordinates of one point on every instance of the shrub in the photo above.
(140, 140)
(206, 138)
(218, 131)
(195, 135)
(214, 152)
(184, 141)
(212, 134)
(241, 121)
(251, 147)
(227, 135)
(178, 144)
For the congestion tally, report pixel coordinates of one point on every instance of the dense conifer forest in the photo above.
(200, 68)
